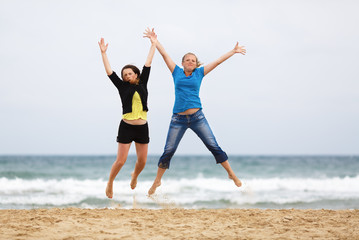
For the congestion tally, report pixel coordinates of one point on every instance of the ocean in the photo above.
(192, 182)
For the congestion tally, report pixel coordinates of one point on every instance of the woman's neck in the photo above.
(188, 73)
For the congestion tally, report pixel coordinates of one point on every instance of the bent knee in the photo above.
(169, 151)
(120, 161)
(142, 160)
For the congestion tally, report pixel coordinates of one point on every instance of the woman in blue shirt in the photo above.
(187, 110)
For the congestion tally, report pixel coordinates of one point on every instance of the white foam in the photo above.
(189, 192)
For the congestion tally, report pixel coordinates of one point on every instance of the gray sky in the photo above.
(295, 92)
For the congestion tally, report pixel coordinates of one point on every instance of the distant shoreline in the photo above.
(177, 154)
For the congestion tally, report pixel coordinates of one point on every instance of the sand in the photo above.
(76, 223)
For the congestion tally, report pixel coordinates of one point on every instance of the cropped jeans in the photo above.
(178, 126)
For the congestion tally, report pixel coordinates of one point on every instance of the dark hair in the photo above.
(134, 69)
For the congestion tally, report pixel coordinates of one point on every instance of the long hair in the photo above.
(134, 69)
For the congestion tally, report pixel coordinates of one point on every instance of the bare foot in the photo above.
(235, 180)
(153, 188)
(109, 192)
(133, 182)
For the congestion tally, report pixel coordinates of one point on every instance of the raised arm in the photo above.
(237, 49)
(106, 63)
(153, 38)
(169, 62)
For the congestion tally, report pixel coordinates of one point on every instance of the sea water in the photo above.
(192, 182)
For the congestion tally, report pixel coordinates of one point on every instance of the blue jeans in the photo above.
(178, 126)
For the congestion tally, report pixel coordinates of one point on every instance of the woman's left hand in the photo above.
(239, 49)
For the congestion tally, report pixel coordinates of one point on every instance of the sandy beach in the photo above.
(75, 223)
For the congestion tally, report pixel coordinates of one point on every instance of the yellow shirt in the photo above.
(137, 109)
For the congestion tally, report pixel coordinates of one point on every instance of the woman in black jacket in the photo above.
(132, 87)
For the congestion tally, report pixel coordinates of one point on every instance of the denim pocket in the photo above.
(200, 116)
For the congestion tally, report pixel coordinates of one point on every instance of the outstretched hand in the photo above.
(239, 49)
(102, 45)
(150, 33)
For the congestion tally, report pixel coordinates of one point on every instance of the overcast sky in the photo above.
(295, 92)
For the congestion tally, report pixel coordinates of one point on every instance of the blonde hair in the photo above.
(197, 62)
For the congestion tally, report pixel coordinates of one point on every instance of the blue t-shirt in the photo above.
(187, 89)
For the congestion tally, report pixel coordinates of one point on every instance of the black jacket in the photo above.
(126, 90)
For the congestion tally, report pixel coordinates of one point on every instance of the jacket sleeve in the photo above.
(145, 74)
(116, 80)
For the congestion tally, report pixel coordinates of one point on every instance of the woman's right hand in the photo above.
(106, 63)
(102, 45)
(151, 35)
